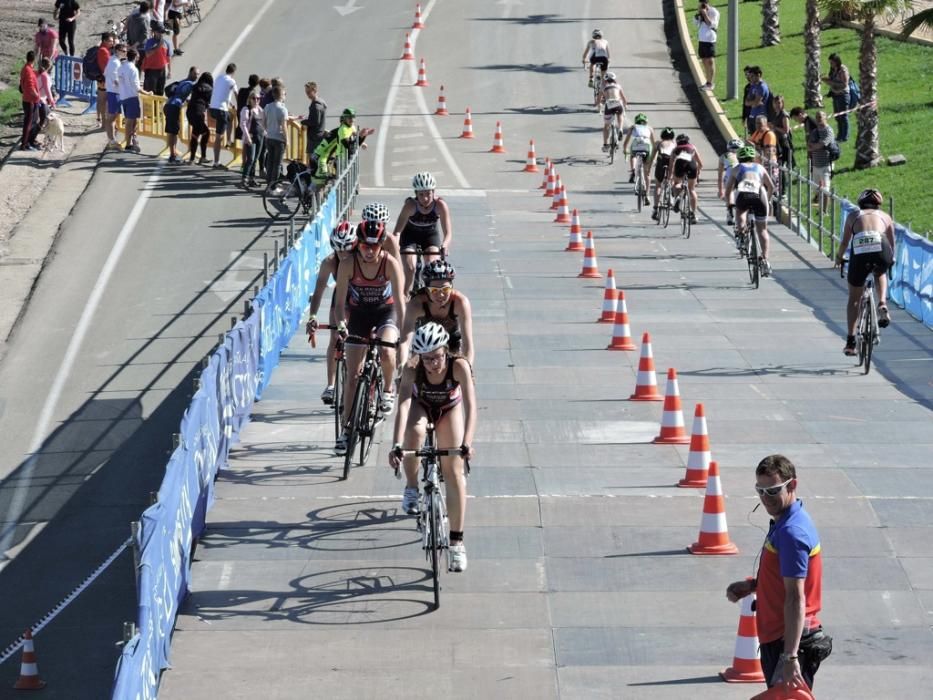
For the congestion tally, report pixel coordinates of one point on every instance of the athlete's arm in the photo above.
(586, 51)
(411, 317)
(846, 235)
(391, 246)
(401, 413)
(466, 328)
(889, 230)
(696, 157)
(394, 270)
(340, 293)
(465, 378)
(768, 183)
(446, 225)
(731, 182)
(403, 216)
(323, 276)
(628, 137)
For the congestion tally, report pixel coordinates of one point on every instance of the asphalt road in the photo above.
(552, 595)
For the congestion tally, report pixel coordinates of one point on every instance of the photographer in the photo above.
(707, 21)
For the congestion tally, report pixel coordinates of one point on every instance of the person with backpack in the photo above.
(177, 94)
(93, 66)
(823, 150)
(838, 81)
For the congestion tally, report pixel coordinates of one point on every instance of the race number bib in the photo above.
(752, 186)
(866, 242)
(613, 104)
(685, 155)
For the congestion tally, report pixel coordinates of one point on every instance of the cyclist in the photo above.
(439, 389)
(727, 161)
(440, 303)
(596, 52)
(641, 136)
(869, 238)
(417, 225)
(661, 158)
(754, 189)
(368, 286)
(687, 164)
(343, 241)
(615, 105)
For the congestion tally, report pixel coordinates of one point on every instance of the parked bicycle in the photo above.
(293, 192)
(867, 331)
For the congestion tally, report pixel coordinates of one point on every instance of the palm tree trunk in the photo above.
(770, 23)
(867, 150)
(811, 36)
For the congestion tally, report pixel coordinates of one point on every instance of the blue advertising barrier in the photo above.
(69, 81)
(232, 379)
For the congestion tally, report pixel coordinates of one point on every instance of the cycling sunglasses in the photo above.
(771, 491)
(438, 291)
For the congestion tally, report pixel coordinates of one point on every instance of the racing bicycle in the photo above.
(867, 332)
(665, 201)
(746, 240)
(614, 138)
(684, 205)
(295, 191)
(641, 187)
(597, 87)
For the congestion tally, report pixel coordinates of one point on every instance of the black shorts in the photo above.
(172, 119)
(685, 168)
(660, 168)
(362, 319)
(221, 119)
(416, 237)
(198, 122)
(860, 266)
(600, 61)
(748, 201)
(173, 21)
(707, 49)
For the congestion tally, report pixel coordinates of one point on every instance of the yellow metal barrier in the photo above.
(297, 141)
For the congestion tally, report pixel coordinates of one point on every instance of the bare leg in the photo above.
(855, 294)
(450, 434)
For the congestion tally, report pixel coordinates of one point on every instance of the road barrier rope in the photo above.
(873, 103)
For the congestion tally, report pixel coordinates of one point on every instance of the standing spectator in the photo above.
(137, 26)
(779, 120)
(29, 86)
(267, 97)
(317, 114)
(764, 140)
(157, 61)
(129, 88)
(756, 99)
(180, 93)
(113, 93)
(707, 21)
(253, 133)
(223, 98)
(158, 9)
(745, 90)
(46, 99)
(67, 12)
(789, 584)
(804, 121)
(45, 42)
(242, 97)
(275, 118)
(196, 114)
(838, 80)
(103, 58)
(176, 10)
(818, 146)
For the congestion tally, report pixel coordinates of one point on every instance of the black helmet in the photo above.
(870, 199)
(682, 139)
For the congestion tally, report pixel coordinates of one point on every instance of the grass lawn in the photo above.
(904, 98)
(11, 102)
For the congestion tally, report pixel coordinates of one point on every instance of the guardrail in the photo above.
(70, 82)
(233, 377)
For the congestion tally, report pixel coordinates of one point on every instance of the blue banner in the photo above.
(69, 81)
(912, 280)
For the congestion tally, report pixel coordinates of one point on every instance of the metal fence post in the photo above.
(891, 206)
(799, 187)
(134, 539)
(265, 269)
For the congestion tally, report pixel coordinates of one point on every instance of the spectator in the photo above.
(46, 99)
(137, 26)
(748, 86)
(804, 121)
(223, 98)
(818, 146)
(176, 10)
(113, 93)
(67, 12)
(780, 122)
(275, 118)
(253, 133)
(129, 88)
(103, 58)
(789, 581)
(196, 114)
(157, 61)
(29, 86)
(707, 21)
(179, 94)
(45, 42)
(158, 11)
(317, 114)
(757, 99)
(764, 140)
(838, 80)
(242, 97)
(267, 97)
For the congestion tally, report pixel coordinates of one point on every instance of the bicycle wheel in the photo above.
(752, 256)
(687, 208)
(613, 144)
(435, 518)
(196, 8)
(369, 417)
(353, 425)
(665, 209)
(282, 199)
(340, 381)
(639, 185)
(870, 330)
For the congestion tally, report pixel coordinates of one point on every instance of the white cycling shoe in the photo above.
(411, 501)
(457, 557)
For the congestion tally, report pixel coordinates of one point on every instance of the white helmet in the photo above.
(428, 337)
(376, 211)
(610, 77)
(343, 236)
(423, 181)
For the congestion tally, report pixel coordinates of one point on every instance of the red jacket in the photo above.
(29, 84)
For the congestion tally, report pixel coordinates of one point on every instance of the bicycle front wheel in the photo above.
(369, 417)
(340, 381)
(197, 10)
(353, 425)
(435, 518)
(282, 199)
(752, 256)
(665, 209)
(868, 338)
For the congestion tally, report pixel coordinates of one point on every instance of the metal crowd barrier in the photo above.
(70, 82)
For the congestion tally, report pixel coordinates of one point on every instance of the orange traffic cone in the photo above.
(29, 669)
(497, 145)
(672, 420)
(575, 222)
(418, 23)
(590, 268)
(699, 455)
(467, 125)
(714, 533)
(609, 299)
(563, 211)
(576, 241)
(646, 383)
(547, 172)
(551, 181)
(441, 110)
(621, 334)
(422, 75)
(786, 691)
(531, 165)
(555, 200)
(407, 55)
(746, 662)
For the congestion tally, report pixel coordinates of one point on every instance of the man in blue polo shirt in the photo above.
(789, 581)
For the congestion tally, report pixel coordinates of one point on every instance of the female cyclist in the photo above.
(439, 389)
(440, 303)
(661, 158)
(687, 164)
(417, 224)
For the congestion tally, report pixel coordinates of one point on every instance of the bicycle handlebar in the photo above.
(418, 250)
(378, 342)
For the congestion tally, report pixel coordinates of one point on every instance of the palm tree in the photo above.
(813, 98)
(924, 18)
(866, 13)
(770, 23)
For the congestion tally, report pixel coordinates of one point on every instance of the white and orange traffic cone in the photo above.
(551, 182)
(609, 299)
(672, 420)
(467, 125)
(575, 222)
(555, 200)
(714, 532)
(621, 333)
(497, 145)
(441, 110)
(699, 456)
(563, 210)
(576, 232)
(418, 23)
(590, 267)
(407, 55)
(746, 661)
(646, 383)
(29, 668)
(422, 75)
(547, 173)
(531, 164)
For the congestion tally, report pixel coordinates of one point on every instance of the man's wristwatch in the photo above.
(785, 657)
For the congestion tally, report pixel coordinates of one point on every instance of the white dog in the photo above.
(54, 131)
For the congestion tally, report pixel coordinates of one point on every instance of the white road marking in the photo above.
(409, 135)
(225, 574)
(397, 163)
(409, 149)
